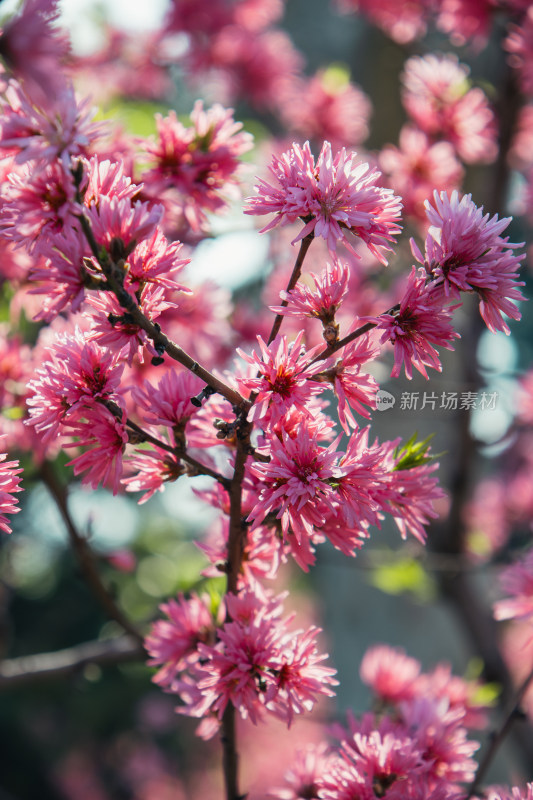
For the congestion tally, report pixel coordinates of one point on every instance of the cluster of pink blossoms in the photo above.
(251, 658)
(416, 746)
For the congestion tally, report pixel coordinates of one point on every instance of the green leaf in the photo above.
(413, 453)
(406, 575)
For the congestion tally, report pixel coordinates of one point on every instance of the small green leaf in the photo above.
(413, 453)
(486, 694)
(404, 576)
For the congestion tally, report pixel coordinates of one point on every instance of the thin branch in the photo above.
(333, 348)
(65, 663)
(84, 554)
(305, 244)
(498, 736)
(161, 342)
(236, 540)
(179, 453)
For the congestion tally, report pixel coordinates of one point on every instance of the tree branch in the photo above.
(305, 244)
(498, 736)
(65, 663)
(84, 554)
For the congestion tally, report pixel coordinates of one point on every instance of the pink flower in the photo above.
(33, 49)
(262, 553)
(62, 130)
(107, 438)
(421, 322)
(326, 107)
(155, 260)
(285, 378)
(200, 162)
(299, 677)
(172, 644)
(109, 178)
(154, 468)
(78, 374)
(390, 673)
(323, 301)
(412, 505)
(354, 388)
(296, 484)
(9, 484)
(362, 483)
(116, 222)
(403, 22)
(517, 582)
(336, 197)
(466, 19)
(465, 252)
(437, 97)
(519, 44)
(170, 403)
(373, 764)
(257, 663)
(306, 774)
(63, 273)
(440, 735)
(516, 793)
(38, 204)
(113, 328)
(417, 167)
(255, 66)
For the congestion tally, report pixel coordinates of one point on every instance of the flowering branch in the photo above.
(83, 552)
(114, 274)
(143, 436)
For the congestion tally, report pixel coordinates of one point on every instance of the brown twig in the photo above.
(84, 554)
(178, 452)
(351, 337)
(21, 671)
(305, 244)
(236, 540)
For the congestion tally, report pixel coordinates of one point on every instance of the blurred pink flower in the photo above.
(34, 50)
(519, 44)
(326, 107)
(403, 22)
(517, 582)
(417, 167)
(390, 673)
(437, 96)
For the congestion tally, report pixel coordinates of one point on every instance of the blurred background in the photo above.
(99, 729)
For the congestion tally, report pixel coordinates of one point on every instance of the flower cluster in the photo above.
(417, 746)
(251, 659)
